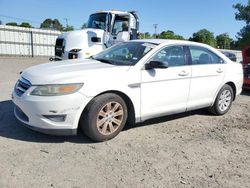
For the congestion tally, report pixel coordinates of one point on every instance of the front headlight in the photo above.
(55, 90)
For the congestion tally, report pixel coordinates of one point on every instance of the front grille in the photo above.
(59, 42)
(59, 48)
(22, 86)
(57, 53)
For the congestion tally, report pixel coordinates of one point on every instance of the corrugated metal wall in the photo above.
(21, 41)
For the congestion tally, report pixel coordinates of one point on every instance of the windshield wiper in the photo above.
(106, 61)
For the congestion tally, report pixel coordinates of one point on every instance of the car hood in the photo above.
(70, 71)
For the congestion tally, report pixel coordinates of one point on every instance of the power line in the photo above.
(22, 19)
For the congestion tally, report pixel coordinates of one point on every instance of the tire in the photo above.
(104, 117)
(223, 101)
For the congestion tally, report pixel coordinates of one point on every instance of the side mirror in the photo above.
(156, 65)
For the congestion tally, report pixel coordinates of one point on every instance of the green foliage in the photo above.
(85, 25)
(169, 35)
(25, 24)
(52, 24)
(145, 35)
(68, 28)
(243, 37)
(243, 14)
(12, 24)
(224, 41)
(204, 36)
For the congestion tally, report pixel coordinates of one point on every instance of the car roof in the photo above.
(170, 41)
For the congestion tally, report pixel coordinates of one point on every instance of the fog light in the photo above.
(56, 118)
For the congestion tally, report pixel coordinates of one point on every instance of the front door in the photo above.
(165, 91)
(120, 31)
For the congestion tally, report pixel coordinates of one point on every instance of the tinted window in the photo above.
(173, 55)
(201, 56)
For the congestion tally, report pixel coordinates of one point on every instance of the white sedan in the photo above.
(127, 83)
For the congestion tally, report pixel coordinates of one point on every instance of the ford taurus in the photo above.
(127, 83)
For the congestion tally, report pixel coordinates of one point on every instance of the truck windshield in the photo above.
(97, 21)
(125, 54)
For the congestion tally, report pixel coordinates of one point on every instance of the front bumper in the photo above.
(41, 113)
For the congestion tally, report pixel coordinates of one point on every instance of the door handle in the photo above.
(219, 70)
(183, 73)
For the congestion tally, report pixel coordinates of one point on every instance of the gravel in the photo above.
(194, 149)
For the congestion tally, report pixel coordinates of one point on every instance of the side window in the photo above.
(201, 56)
(173, 55)
(121, 24)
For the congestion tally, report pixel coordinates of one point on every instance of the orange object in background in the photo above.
(246, 67)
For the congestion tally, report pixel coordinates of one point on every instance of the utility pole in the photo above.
(155, 27)
(66, 19)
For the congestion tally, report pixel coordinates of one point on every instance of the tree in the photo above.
(57, 25)
(145, 35)
(12, 24)
(46, 23)
(224, 41)
(25, 24)
(243, 38)
(52, 24)
(1, 22)
(85, 25)
(204, 36)
(243, 14)
(170, 35)
(68, 28)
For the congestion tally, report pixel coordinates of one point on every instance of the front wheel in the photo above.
(104, 117)
(223, 101)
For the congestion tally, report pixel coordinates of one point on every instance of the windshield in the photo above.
(97, 21)
(127, 53)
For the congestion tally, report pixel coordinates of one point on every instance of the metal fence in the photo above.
(19, 41)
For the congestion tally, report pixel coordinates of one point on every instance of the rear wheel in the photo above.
(223, 101)
(104, 117)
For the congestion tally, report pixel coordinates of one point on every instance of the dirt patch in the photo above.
(194, 149)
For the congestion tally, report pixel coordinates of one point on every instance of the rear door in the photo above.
(207, 77)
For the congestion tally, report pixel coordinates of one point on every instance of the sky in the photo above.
(181, 16)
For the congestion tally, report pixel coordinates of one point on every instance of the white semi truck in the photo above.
(104, 29)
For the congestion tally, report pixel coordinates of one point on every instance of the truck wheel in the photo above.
(223, 101)
(104, 117)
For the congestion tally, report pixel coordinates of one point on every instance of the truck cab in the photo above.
(104, 29)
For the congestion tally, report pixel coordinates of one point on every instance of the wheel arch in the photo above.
(127, 100)
(233, 86)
